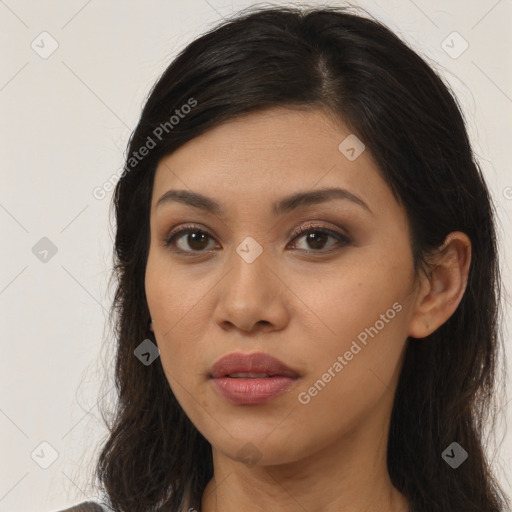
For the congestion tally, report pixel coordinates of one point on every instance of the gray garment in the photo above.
(86, 506)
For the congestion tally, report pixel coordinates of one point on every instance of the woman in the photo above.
(307, 305)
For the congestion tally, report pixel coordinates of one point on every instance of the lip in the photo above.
(251, 390)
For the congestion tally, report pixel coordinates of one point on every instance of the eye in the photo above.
(197, 239)
(316, 235)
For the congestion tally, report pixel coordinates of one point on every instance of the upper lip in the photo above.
(251, 363)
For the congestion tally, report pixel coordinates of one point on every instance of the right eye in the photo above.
(195, 240)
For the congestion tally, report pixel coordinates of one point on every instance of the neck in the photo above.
(348, 477)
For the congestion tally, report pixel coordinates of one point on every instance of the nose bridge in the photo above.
(249, 262)
(250, 287)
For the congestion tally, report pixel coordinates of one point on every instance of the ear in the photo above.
(442, 289)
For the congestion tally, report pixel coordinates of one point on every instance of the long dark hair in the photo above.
(355, 70)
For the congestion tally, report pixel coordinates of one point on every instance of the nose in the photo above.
(251, 296)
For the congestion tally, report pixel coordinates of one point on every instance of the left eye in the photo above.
(316, 237)
(197, 239)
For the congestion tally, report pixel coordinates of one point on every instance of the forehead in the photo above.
(266, 154)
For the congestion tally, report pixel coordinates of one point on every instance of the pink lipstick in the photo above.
(251, 378)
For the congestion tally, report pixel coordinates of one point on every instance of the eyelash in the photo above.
(309, 228)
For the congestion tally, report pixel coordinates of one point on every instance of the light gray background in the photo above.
(65, 121)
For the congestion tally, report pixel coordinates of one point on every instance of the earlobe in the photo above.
(442, 289)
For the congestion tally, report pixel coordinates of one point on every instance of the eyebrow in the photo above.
(284, 205)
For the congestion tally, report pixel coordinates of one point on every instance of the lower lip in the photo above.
(252, 391)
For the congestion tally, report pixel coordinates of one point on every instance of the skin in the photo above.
(297, 302)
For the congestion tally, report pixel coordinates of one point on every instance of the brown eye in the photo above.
(316, 238)
(191, 240)
(195, 239)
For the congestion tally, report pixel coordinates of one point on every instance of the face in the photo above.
(332, 303)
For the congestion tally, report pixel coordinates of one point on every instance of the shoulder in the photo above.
(85, 506)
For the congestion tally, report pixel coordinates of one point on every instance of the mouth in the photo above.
(251, 378)
(245, 375)
(251, 366)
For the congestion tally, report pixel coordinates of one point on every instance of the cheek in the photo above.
(171, 297)
(351, 296)
(365, 322)
(177, 309)
(182, 298)
(354, 370)
(364, 312)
